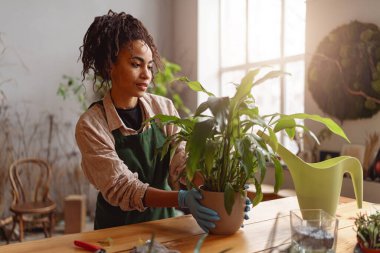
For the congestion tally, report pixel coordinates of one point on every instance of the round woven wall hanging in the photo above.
(344, 73)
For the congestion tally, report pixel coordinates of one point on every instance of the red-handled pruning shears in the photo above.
(90, 247)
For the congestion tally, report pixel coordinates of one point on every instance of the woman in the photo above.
(119, 153)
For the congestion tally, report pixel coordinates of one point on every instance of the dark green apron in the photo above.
(140, 153)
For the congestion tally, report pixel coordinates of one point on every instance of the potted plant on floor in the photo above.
(223, 146)
(368, 232)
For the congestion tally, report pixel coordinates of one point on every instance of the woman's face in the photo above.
(132, 72)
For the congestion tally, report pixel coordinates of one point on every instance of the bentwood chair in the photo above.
(3, 231)
(31, 204)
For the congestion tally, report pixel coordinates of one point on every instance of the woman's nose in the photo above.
(146, 73)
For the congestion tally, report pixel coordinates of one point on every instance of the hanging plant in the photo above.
(344, 73)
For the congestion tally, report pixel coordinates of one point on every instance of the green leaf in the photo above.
(245, 86)
(196, 144)
(197, 248)
(247, 158)
(283, 123)
(270, 75)
(260, 141)
(164, 149)
(165, 119)
(229, 198)
(261, 164)
(195, 85)
(250, 112)
(218, 105)
(186, 124)
(291, 132)
(259, 194)
(307, 130)
(273, 142)
(219, 108)
(279, 173)
(209, 155)
(201, 108)
(151, 243)
(173, 149)
(329, 123)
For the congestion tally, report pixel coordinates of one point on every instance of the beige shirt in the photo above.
(100, 162)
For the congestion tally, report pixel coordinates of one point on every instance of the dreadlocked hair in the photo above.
(104, 39)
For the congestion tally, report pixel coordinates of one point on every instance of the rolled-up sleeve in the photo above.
(103, 167)
(161, 105)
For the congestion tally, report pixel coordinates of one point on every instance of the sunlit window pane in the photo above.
(294, 87)
(264, 29)
(294, 94)
(267, 94)
(233, 32)
(229, 82)
(295, 16)
(251, 35)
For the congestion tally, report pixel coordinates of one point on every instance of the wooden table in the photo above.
(266, 231)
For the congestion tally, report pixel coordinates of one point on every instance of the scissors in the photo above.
(89, 247)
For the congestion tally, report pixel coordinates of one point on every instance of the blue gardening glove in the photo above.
(247, 208)
(203, 215)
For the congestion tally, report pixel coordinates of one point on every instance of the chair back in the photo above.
(30, 179)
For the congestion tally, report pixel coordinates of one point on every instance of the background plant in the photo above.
(74, 87)
(225, 147)
(165, 85)
(368, 229)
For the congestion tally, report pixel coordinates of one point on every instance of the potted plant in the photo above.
(224, 147)
(368, 232)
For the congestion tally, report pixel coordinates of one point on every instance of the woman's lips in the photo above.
(142, 86)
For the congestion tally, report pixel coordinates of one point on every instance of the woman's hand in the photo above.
(203, 215)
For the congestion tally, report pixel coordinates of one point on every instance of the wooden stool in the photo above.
(75, 214)
(268, 192)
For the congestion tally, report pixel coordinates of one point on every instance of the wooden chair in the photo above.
(30, 180)
(3, 223)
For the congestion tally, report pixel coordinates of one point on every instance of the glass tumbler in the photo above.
(313, 231)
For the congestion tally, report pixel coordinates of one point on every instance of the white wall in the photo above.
(322, 17)
(185, 47)
(46, 34)
(208, 47)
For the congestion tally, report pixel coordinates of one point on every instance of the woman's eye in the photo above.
(135, 65)
(150, 67)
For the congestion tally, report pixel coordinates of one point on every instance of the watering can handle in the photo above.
(353, 166)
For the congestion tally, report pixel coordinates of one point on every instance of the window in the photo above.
(251, 34)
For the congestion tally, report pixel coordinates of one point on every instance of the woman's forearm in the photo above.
(160, 198)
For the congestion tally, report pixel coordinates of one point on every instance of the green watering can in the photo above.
(318, 185)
